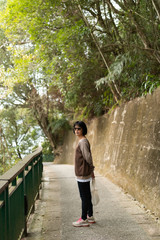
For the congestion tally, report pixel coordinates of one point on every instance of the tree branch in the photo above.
(100, 19)
(156, 6)
(114, 9)
(92, 12)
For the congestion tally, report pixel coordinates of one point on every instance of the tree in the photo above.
(17, 134)
(78, 58)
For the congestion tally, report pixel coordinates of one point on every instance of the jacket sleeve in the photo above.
(86, 152)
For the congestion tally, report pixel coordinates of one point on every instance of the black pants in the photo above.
(85, 194)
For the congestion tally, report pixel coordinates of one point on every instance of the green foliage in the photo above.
(59, 126)
(61, 49)
(150, 84)
(5, 60)
(48, 155)
(116, 69)
(17, 135)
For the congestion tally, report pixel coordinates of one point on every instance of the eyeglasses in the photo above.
(77, 129)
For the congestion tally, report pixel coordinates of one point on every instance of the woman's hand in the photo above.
(93, 176)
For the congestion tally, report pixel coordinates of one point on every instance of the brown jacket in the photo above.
(83, 160)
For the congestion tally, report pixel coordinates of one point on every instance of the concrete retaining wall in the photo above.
(126, 148)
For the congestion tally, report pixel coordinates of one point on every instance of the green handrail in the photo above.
(19, 189)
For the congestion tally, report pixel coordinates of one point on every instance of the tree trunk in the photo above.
(41, 114)
(44, 124)
(5, 145)
(141, 34)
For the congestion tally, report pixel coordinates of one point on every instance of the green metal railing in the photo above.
(19, 189)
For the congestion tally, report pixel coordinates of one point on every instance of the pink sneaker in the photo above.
(81, 223)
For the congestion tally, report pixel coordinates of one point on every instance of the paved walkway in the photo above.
(118, 216)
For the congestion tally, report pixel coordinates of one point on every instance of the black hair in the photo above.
(82, 125)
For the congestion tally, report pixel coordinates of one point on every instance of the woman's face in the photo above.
(78, 131)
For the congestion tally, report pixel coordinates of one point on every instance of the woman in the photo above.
(84, 171)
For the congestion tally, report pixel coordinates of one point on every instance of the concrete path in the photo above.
(118, 216)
